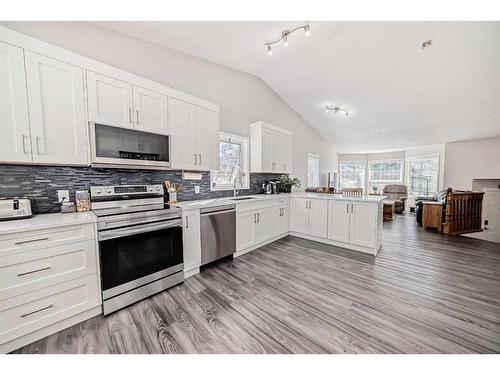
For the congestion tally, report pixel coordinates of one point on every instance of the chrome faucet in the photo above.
(234, 185)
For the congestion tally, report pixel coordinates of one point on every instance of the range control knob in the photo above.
(157, 188)
(108, 191)
(150, 188)
(98, 191)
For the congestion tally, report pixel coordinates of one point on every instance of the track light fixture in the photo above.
(284, 37)
(337, 110)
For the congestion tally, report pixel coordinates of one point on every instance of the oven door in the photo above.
(139, 254)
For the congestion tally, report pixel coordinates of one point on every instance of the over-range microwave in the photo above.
(116, 147)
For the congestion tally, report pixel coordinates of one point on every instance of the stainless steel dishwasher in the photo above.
(218, 232)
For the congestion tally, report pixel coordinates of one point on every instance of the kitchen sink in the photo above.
(242, 198)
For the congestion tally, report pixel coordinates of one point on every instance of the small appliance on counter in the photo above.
(17, 208)
(271, 187)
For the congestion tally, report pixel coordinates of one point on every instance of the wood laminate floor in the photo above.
(423, 293)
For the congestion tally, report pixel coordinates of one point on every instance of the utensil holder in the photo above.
(172, 197)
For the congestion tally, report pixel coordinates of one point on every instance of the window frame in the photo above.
(384, 182)
(408, 171)
(244, 142)
(360, 162)
(317, 157)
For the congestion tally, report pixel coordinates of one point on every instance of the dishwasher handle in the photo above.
(216, 210)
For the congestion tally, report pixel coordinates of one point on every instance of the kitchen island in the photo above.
(350, 222)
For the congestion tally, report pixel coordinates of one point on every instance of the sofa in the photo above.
(397, 193)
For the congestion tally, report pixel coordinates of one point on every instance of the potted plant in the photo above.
(375, 189)
(286, 183)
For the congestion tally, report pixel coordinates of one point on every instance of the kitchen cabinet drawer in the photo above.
(27, 313)
(25, 272)
(40, 239)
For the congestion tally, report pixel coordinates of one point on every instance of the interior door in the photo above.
(110, 100)
(184, 135)
(15, 138)
(299, 218)
(318, 218)
(339, 220)
(207, 125)
(56, 97)
(150, 111)
(363, 224)
(245, 226)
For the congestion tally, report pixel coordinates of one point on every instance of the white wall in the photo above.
(468, 160)
(243, 98)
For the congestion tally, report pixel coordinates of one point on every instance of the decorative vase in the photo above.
(172, 197)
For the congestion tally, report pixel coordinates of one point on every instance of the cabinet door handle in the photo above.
(347, 206)
(37, 138)
(187, 222)
(195, 160)
(137, 116)
(258, 218)
(352, 208)
(254, 218)
(199, 156)
(24, 143)
(30, 272)
(34, 312)
(130, 115)
(29, 241)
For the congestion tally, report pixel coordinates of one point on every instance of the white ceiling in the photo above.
(400, 95)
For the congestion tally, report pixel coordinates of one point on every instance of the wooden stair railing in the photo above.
(462, 212)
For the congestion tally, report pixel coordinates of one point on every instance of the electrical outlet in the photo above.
(63, 194)
(197, 189)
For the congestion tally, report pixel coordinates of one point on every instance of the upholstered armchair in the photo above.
(397, 193)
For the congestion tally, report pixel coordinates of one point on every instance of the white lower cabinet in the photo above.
(309, 216)
(353, 223)
(339, 221)
(257, 226)
(49, 277)
(191, 239)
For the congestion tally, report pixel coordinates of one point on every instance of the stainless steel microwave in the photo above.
(114, 147)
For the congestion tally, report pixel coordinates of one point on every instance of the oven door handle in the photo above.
(138, 229)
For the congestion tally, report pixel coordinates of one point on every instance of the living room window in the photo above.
(384, 172)
(422, 174)
(312, 170)
(233, 154)
(352, 174)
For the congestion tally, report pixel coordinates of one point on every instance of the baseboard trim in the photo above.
(348, 246)
(49, 330)
(260, 244)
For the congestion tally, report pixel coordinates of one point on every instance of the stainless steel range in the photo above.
(140, 243)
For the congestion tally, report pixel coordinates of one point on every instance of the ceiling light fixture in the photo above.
(337, 110)
(284, 37)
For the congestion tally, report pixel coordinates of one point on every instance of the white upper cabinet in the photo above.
(15, 131)
(56, 97)
(110, 100)
(207, 127)
(183, 132)
(195, 136)
(270, 149)
(150, 111)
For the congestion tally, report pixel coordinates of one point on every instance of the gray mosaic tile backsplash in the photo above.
(41, 183)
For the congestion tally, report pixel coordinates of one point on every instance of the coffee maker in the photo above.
(270, 187)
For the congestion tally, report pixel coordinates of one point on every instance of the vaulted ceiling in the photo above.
(400, 94)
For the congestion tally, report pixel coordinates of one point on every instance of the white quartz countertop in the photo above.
(340, 197)
(46, 221)
(187, 205)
